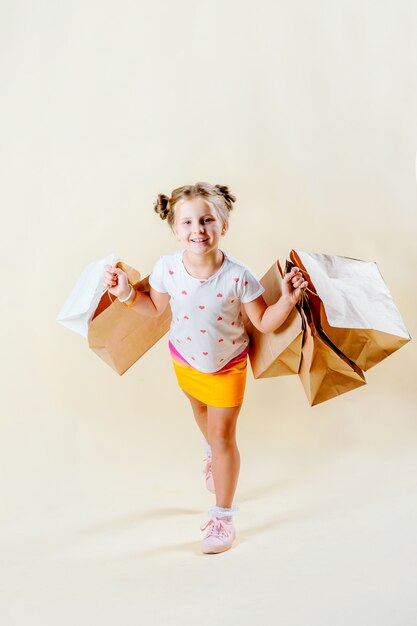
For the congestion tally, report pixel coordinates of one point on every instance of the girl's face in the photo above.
(197, 226)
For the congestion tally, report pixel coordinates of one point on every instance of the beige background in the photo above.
(308, 112)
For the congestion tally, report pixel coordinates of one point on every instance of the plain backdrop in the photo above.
(308, 112)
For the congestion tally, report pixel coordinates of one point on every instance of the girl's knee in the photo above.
(222, 440)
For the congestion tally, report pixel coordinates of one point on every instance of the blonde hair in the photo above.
(218, 197)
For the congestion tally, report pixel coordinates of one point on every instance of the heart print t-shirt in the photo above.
(207, 326)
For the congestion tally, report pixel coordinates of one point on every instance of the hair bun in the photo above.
(227, 194)
(161, 206)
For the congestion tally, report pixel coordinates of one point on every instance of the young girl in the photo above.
(205, 288)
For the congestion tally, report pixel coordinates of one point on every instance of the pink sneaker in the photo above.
(220, 535)
(209, 475)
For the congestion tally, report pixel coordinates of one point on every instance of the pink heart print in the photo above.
(221, 360)
(203, 331)
(220, 295)
(232, 300)
(219, 318)
(184, 292)
(236, 280)
(205, 353)
(186, 317)
(245, 283)
(202, 281)
(171, 272)
(233, 323)
(189, 338)
(220, 340)
(201, 306)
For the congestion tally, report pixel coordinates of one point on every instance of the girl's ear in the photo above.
(174, 230)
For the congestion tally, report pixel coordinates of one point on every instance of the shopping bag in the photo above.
(277, 353)
(85, 297)
(325, 372)
(351, 303)
(120, 335)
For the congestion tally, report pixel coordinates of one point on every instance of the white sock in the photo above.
(207, 447)
(223, 512)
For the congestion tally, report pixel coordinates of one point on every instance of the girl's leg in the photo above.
(221, 430)
(200, 413)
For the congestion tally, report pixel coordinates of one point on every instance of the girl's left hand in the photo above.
(293, 285)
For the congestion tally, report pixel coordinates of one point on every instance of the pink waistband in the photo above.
(177, 355)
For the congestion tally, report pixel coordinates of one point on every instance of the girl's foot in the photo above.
(209, 474)
(219, 537)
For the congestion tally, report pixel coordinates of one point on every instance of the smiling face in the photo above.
(197, 226)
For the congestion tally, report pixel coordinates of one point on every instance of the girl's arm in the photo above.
(268, 318)
(152, 303)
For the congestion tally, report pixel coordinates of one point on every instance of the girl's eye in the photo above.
(206, 219)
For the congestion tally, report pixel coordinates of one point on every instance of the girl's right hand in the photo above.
(116, 281)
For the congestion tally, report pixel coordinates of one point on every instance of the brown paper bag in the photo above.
(120, 335)
(325, 372)
(277, 353)
(352, 304)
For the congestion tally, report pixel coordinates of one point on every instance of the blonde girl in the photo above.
(206, 289)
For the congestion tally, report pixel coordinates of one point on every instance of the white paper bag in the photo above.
(353, 306)
(354, 293)
(86, 295)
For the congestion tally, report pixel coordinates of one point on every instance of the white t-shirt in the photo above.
(207, 327)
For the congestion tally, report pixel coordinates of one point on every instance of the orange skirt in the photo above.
(225, 388)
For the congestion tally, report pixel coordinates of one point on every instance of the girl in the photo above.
(205, 288)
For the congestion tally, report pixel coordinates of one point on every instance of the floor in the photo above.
(322, 539)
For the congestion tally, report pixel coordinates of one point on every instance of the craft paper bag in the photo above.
(352, 304)
(277, 353)
(325, 372)
(85, 297)
(120, 335)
